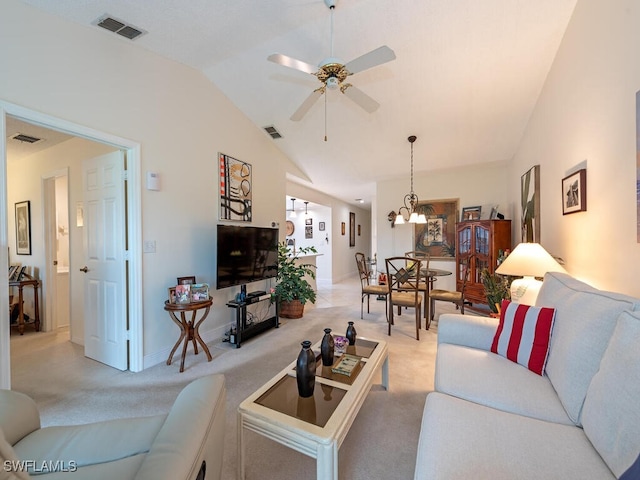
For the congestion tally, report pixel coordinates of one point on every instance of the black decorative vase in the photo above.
(326, 348)
(306, 370)
(351, 334)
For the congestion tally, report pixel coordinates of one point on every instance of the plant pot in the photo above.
(292, 309)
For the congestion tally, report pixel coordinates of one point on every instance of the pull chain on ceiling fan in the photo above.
(332, 73)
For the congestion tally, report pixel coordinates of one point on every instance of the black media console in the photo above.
(243, 331)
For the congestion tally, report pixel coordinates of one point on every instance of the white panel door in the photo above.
(104, 250)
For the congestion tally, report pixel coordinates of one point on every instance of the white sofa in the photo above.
(173, 446)
(491, 418)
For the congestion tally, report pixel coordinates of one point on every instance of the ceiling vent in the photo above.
(21, 137)
(118, 26)
(271, 130)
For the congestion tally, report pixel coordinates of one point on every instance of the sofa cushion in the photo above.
(611, 413)
(119, 439)
(523, 334)
(489, 379)
(9, 466)
(585, 319)
(460, 440)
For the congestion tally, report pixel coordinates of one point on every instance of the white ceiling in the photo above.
(466, 77)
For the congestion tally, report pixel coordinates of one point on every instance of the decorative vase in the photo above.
(326, 348)
(351, 334)
(292, 309)
(306, 370)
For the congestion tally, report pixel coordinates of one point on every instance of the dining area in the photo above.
(408, 281)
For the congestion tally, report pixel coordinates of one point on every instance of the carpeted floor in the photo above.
(381, 444)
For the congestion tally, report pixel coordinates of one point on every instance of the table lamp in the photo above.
(528, 260)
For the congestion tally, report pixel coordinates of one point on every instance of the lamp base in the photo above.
(525, 290)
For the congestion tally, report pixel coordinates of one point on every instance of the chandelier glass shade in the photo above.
(410, 202)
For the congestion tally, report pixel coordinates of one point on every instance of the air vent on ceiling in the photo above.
(21, 137)
(118, 26)
(271, 130)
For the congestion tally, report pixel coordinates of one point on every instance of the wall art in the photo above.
(23, 228)
(438, 236)
(235, 189)
(574, 192)
(530, 202)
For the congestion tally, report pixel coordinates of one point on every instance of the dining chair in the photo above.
(403, 281)
(367, 289)
(456, 297)
(427, 283)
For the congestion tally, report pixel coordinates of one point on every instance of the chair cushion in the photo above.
(406, 299)
(584, 323)
(461, 440)
(611, 413)
(375, 289)
(445, 295)
(523, 334)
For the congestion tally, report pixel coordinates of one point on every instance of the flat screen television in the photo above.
(245, 255)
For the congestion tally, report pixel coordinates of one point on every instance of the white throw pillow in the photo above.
(611, 413)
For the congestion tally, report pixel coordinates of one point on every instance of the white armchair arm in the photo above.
(19, 415)
(467, 330)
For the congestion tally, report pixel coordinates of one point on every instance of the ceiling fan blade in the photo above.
(292, 63)
(361, 98)
(307, 104)
(374, 58)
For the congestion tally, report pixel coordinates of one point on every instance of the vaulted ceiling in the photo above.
(465, 80)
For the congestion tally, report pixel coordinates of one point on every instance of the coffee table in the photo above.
(315, 426)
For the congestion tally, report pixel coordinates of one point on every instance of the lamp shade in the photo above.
(529, 260)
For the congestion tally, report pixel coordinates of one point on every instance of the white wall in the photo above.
(586, 114)
(95, 79)
(482, 185)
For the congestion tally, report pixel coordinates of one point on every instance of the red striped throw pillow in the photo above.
(523, 334)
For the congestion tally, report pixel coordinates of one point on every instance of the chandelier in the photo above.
(293, 209)
(410, 207)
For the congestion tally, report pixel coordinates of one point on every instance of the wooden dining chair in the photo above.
(456, 297)
(365, 282)
(403, 281)
(426, 284)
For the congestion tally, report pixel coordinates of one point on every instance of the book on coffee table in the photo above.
(347, 365)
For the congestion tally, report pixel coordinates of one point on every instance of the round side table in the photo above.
(188, 327)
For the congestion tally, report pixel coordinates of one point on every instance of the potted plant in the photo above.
(496, 289)
(292, 289)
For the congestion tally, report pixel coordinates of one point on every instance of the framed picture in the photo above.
(530, 202)
(308, 221)
(471, 213)
(438, 236)
(359, 230)
(342, 227)
(321, 226)
(235, 189)
(186, 280)
(172, 294)
(183, 293)
(23, 228)
(199, 292)
(494, 212)
(308, 231)
(574, 192)
(352, 229)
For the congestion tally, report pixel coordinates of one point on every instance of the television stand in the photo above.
(245, 332)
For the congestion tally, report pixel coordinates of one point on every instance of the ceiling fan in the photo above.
(332, 73)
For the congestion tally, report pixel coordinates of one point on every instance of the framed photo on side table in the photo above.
(574, 192)
(471, 213)
(186, 280)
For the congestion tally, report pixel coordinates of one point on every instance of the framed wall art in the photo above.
(23, 228)
(235, 189)
(321, 226)
(438, 236)
(352, 229)
(530, 202)
(574, 192)
(342, 226)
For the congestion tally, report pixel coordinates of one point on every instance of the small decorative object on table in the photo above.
(306, 370)
(341, 345)
(351, 334)
(326, 348)
(346, 365)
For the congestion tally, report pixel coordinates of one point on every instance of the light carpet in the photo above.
(381, 444)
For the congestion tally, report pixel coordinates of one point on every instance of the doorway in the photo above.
(132, 191)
